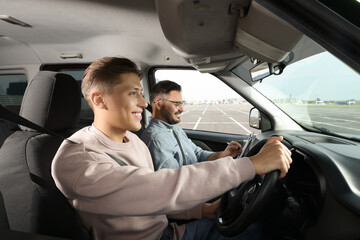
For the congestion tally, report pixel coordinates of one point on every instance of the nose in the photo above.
(142, 102)
(181, 108)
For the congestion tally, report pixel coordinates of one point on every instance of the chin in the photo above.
(135, 128)
(174, 121)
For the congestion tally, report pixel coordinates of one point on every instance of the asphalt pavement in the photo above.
(234, 118)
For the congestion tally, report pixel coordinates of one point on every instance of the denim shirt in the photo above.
(164, 148)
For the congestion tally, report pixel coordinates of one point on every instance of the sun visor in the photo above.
(264, 36)
(202, 32)
(211, 35)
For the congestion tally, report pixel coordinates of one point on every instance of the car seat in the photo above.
(33, 203)
(4, 223)
(6, 127)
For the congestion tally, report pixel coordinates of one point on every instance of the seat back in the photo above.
(32, 201)
(6, 127)
(4, 223)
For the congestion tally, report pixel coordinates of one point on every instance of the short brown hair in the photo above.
(163, 87)
(104, 74)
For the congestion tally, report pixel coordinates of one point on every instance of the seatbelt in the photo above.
(181, 149)
(15, 118)
(118, 160)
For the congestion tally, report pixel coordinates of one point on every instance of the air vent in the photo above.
(14, 21)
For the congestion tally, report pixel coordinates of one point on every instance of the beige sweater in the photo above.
(132, 201)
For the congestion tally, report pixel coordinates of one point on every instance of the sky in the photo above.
(206, 85)
(321, 76)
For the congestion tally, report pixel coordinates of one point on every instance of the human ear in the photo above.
(157, 104)
(98, 100)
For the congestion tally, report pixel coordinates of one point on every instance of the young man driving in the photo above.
(107, 174)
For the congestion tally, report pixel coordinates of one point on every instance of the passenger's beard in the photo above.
(170, 119)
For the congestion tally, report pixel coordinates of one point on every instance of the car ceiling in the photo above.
(202, 34)
(150, 32)
(128, 28)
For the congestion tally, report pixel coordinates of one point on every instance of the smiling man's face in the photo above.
(169, 112)
(125, 104)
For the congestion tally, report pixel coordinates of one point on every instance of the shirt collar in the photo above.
(161, 123)
(107, 141)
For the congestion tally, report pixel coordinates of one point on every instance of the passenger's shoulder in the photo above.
(151, 131)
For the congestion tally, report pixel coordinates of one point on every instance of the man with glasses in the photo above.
(168, 144)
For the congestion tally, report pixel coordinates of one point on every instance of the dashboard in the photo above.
(322, 187)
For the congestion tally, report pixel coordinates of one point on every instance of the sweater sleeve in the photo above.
(94, 183)
(193, 213)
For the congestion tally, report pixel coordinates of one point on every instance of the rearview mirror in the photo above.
(265, 69)
(260, 71)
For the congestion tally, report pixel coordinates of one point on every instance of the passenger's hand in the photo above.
(272, 156)
(209, 210)
(233, 149)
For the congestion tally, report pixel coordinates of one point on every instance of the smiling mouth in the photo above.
(137, 115)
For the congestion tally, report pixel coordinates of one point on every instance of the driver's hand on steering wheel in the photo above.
(273, 156)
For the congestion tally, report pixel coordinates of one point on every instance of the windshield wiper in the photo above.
(331, 133)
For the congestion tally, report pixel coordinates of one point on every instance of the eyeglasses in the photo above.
(177, 103)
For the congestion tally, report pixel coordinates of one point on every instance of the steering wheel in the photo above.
(245, 204)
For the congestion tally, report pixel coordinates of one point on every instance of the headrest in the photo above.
(52, 100)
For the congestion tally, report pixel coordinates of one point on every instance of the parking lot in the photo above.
(331, 117)
(234, 118)
(228, 118)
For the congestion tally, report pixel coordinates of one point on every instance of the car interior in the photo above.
(27, 155)
(250, 69)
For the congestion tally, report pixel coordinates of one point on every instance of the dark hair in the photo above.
(105, 73)
(163, 87)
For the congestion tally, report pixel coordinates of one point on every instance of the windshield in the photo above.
(319, 92)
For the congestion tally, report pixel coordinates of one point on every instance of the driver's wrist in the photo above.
(254, 162)
(204, 212)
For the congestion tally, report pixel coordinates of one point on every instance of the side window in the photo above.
(12, 88)
(210, 104)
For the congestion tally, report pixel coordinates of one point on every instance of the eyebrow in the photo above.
(136, 88)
